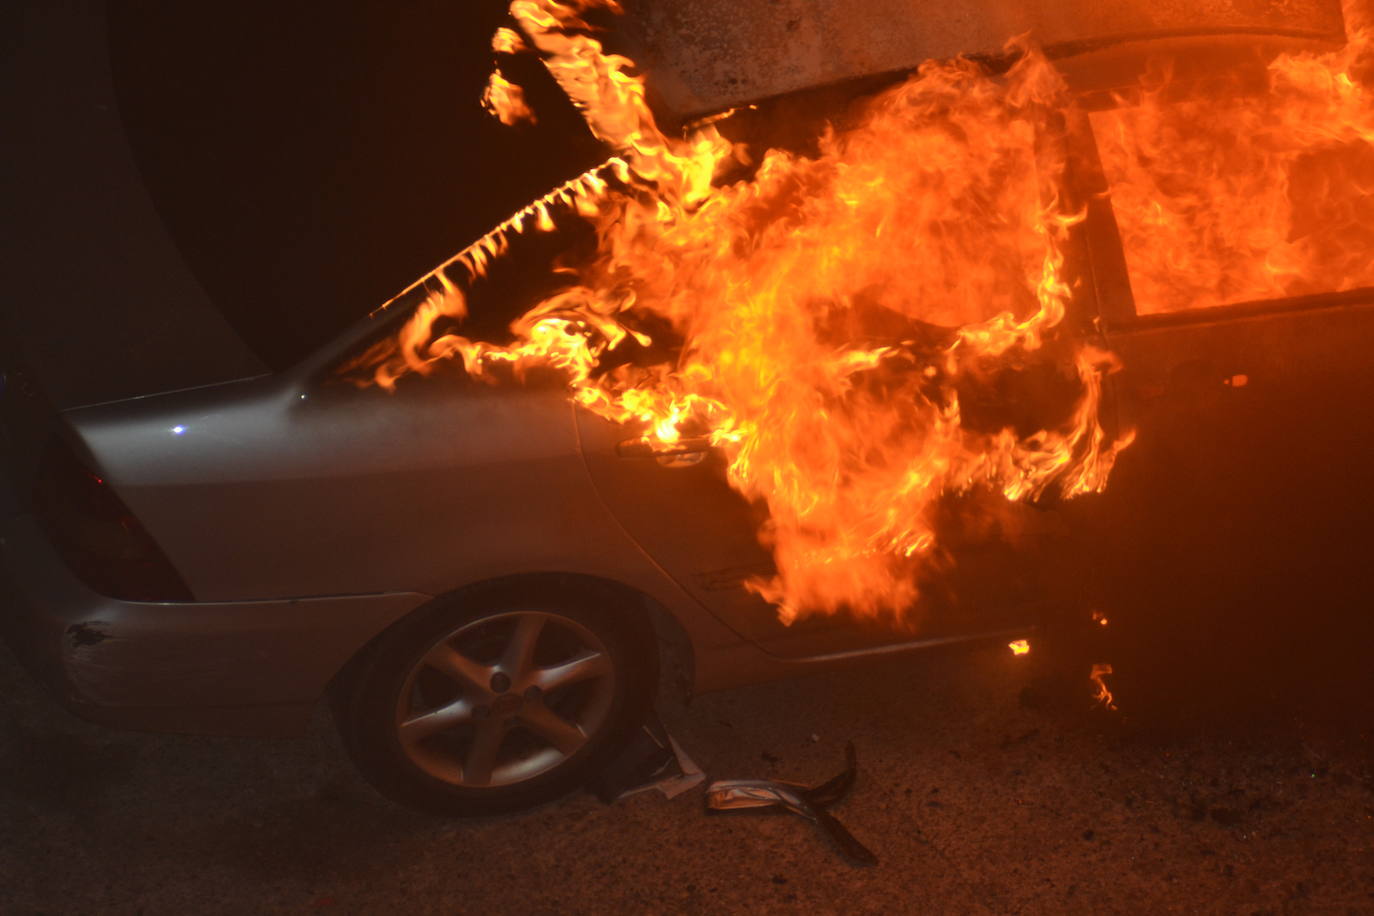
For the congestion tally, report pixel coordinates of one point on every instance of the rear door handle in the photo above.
(682, 453)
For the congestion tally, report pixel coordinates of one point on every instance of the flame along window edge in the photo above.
(1289, 234)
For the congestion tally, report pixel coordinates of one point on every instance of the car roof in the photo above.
(704, 56)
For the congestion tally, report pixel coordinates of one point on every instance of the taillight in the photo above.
(97, 536)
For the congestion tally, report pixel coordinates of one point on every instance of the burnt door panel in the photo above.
(1234, 538)
(1262, 411)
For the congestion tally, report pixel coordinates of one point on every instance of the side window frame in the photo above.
(1104, 297)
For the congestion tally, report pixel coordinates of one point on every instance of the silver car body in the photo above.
(307, 516)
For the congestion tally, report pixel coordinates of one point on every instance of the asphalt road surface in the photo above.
(975, 797)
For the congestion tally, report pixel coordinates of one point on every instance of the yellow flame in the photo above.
(834, 308)
(506, 100)
(507, 41)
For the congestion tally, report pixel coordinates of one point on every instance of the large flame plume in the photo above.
(831, 308)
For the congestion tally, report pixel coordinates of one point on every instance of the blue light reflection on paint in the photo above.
(178, 430)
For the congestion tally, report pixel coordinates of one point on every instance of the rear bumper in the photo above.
(209, 668)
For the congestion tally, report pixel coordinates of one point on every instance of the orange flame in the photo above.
(1101, 694)
(832, 307)
(507, 41)
(1019, 647)
(1234, 194)
(506, 100)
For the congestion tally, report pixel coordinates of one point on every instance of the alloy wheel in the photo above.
(504, 698)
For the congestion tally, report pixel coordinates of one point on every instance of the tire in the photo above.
(495, 701)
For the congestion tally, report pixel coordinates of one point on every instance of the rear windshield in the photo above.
(310, 162)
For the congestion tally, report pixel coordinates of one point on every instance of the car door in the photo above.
(1244, 497)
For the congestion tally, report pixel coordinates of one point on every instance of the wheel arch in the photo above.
(651, 624)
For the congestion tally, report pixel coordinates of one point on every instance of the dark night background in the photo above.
(312, 163)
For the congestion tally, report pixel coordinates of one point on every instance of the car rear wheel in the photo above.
(496, 703)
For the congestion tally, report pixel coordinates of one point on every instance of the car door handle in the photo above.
(682, 453)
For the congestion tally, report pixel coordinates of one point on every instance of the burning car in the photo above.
(782, 390)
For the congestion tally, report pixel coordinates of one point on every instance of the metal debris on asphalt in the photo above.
(810, 802)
